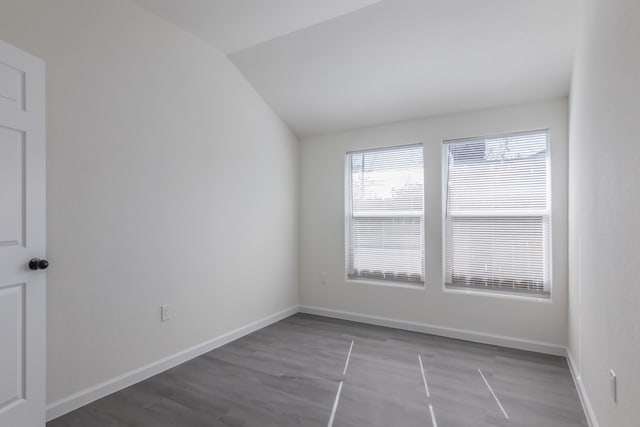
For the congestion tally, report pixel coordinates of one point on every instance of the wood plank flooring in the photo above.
(288, 374)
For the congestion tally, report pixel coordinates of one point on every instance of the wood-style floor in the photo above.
(289, 374)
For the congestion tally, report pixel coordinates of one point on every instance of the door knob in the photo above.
(38, 264)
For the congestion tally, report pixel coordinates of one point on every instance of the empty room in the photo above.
(340, 213)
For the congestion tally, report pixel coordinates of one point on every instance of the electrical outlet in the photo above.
(165, 312)
(323, 278)
(613, 380)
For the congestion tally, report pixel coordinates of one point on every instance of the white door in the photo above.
(22, 237)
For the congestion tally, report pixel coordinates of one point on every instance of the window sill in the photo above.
(417, 286)
(497, 294)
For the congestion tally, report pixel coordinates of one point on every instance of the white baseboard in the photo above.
(537, 346)
(582, 392)
(84, 397)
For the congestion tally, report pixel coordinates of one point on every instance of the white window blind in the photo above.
(385, 209)
(497, 222)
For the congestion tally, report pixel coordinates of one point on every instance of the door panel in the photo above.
(12, 189)
(11, 86)
(12, 351)
(22, 237)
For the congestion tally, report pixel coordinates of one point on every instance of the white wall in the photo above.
(323, 241)
(604, 208)
(169, 180)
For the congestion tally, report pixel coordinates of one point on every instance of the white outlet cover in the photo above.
(165, 312)
(323, 278)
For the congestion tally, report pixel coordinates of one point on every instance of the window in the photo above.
(385, 211)
(497, 222)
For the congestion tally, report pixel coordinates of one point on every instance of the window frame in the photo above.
(506, 294)
(348, 201)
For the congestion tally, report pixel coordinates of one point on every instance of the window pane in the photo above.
(505, 253)
(387, 248)
(385, 214)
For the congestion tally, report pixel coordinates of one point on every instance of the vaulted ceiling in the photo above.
(329, 65)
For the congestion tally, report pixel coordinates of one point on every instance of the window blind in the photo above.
(497, 222)
(385, 210)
